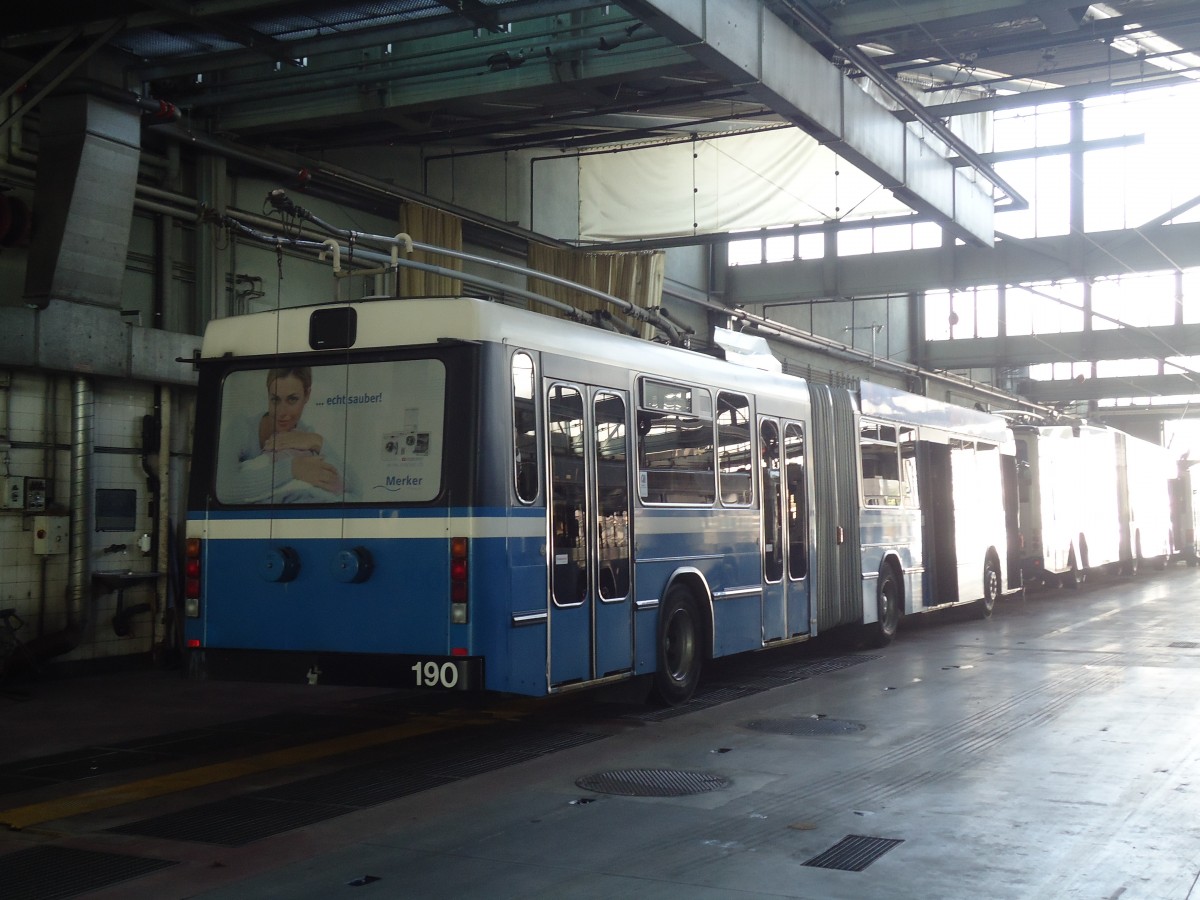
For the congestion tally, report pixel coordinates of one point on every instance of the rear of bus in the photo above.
(365, 573)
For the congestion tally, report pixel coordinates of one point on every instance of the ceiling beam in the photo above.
(866, 19)
(1073, 391)
(474, 12)
(1149, 248)
(1144, 421)
(1154, 342)
(226, 27)
(751, 47)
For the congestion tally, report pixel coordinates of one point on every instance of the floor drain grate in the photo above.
(652, 783)
(853, 853)
(805, 726)
(49, 872)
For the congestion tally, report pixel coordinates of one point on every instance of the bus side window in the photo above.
(769, 487)
(908, 468)
(733, 449)
(525, 439)
(797, 502)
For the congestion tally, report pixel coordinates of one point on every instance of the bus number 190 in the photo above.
(436, 675)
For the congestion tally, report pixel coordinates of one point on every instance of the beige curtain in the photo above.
(636, 276)
(430, 226)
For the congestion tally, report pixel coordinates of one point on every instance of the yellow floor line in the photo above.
(64, 807)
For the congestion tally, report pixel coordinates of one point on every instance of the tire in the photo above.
(991, 588)
(1073, 577)
(1138, 562)
(889, 600)
(680, 654)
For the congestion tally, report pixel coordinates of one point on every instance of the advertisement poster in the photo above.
(358, 433)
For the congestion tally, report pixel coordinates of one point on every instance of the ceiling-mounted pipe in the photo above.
(280, 201)
(344, 181)
(339, 252)
(497, 59)
(162, 110)
(672, 332)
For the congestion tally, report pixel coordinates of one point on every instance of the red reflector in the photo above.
(192, 568)
(459, 594)
(193, 642)
(458, 651)
(191, 589)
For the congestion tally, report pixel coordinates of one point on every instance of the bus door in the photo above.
(937, 504)
(784, 491)
(591, 624)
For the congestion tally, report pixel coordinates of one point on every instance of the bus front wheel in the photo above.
(680, 653)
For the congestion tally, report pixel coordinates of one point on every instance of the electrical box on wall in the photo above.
(37, 493)
(27, 493)
(14, 492)
(51, 534)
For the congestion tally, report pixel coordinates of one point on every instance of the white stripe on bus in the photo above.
(364, 529)
(648, 523)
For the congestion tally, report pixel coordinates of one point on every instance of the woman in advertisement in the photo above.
(279, 457)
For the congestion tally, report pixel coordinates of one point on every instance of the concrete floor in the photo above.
(1049, 752)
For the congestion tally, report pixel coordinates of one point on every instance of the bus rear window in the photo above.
(357, 433)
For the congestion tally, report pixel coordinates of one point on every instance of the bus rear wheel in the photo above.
(680, 652)
(991, 588)
(889, 600)
(1074, 576)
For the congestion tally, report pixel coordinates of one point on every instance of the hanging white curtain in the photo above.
(732, 183)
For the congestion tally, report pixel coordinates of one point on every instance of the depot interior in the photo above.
(996, 206)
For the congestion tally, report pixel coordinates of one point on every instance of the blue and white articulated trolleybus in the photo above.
(459, 494)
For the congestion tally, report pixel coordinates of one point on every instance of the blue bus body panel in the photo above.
(721, 546)
(519, 637)
(401, 608)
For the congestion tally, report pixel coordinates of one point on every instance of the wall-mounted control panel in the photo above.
(14, 492)
(25, 492)
(51, 534)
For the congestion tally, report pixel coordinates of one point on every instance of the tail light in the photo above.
(191, 578)
(459, 575)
